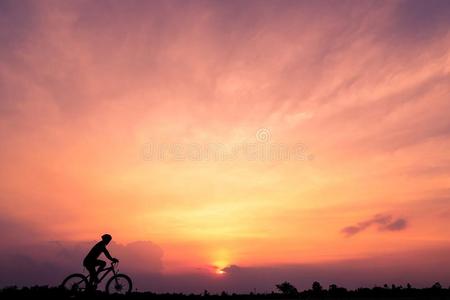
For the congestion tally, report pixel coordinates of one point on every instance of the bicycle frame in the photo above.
(105, 272)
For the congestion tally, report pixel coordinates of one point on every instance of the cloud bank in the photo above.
(28, 259)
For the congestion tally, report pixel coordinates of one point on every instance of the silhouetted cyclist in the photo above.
(91, 260)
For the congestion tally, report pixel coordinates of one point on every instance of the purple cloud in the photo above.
(382, 222)
(396, 225)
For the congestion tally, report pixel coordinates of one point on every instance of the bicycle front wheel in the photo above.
(119, 284)
(75, 283)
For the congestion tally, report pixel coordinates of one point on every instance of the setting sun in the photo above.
(220, 271)
(219, 267)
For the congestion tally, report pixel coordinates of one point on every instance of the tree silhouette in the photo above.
(437, 286)
(335, 291)
(287, 289)
(317, 287)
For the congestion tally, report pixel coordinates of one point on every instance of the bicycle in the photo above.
(117, 284)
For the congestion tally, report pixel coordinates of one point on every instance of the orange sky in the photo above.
(85, 87)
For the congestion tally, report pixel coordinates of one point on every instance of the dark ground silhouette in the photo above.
(285, 290)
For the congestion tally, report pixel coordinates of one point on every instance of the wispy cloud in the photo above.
(382, 222)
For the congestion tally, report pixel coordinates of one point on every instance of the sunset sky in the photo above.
(90, 91)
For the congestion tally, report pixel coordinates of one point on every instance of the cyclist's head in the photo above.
(106, 238)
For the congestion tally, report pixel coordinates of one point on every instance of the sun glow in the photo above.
(220, 272)
(219, 267)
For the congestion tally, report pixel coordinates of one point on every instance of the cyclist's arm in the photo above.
(106, 252)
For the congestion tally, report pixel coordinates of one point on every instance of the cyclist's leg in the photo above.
(101, 265)
(92, 273)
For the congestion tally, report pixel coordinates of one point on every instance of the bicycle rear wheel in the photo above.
(75, 283)
(119, 284)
